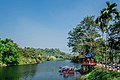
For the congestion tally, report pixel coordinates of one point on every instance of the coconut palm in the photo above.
(107, 14)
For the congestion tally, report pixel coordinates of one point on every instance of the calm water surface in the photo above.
(44, 71)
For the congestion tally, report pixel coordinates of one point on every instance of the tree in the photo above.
(107, 14)
(1, 51)
(114, 39)
(9, 52)
(83, 35)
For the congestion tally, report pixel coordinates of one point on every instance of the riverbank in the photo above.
(11, 54)
(28, 61)
(101, 74)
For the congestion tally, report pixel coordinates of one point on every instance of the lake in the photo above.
(42, 71)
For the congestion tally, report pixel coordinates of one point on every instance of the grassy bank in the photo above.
(101, 74)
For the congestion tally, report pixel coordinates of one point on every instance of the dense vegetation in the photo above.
(100, 74)
(12, 54)
(99, 35)
(8, 52)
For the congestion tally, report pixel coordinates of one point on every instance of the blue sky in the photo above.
(45, 23)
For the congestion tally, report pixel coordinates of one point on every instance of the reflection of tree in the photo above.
(65, 75)
(18, 72)
(28, 71)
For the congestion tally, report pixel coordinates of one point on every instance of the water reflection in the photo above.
(17, 72)
(44, 71)
(70, 76)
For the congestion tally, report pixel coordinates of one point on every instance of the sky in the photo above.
(45, 23)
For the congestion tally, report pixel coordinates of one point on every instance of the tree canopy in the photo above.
(87, 35)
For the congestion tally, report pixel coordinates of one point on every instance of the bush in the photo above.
(101, 74)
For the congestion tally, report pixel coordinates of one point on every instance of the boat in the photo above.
(67, 70)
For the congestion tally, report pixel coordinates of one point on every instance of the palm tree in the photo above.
(107, 14)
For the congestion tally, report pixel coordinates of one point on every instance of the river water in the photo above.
(43, 71)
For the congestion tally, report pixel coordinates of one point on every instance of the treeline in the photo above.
(12, 54)
(100, 35)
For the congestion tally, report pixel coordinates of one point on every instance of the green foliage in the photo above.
(109, 16)
(11, 54)
(83, 35)
(54, 52)
(1, 51)
(106, 15)
(75, 59)
(8, 52)
(105, 44)
(100, 74)
(32, 55)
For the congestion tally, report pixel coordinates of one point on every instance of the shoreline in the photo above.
(4, 65)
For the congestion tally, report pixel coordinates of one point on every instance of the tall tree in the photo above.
(107, 14)
(114, 39)
(83, 35)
